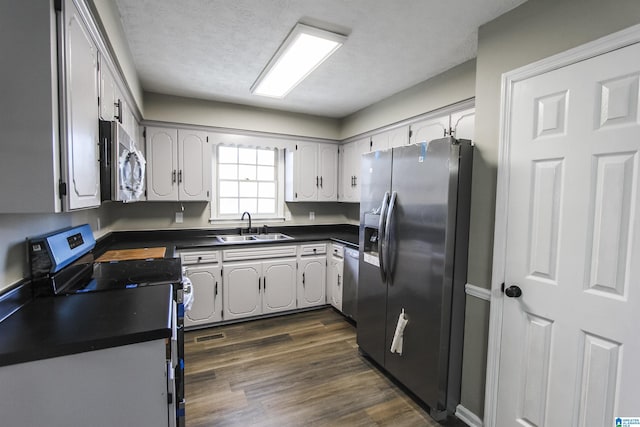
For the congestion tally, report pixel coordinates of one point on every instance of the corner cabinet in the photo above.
(178, 165)
(311, 172)
(350, 155)
(204, 269)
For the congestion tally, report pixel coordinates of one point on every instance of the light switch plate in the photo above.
(312, 215)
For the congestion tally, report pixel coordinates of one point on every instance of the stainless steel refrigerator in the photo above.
(414, 228)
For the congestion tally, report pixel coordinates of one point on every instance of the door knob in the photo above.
(513, 291)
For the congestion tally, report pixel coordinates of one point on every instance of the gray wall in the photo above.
(112, 25)
(161, 215)
(177, 109)
(534, 30)
(454, 85)
(14, 229)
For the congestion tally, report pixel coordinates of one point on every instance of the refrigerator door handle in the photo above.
(387, 238)
(381, 234)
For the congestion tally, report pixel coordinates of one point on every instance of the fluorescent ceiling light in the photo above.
(302, 51)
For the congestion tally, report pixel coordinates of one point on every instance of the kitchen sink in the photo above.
(234, 238)
(272, 236)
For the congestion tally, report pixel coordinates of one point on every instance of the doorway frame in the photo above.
(603, 45)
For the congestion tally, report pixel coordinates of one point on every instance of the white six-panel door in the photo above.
(570, 346)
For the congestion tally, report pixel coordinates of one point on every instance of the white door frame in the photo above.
(600, 46)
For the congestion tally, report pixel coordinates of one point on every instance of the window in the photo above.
(247, 181)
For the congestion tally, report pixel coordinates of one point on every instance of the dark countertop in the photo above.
(59, 326)
(64, 325)
(203, 238)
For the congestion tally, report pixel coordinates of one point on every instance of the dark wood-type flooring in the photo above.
(296, 370)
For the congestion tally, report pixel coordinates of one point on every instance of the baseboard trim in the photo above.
(477, 291)
(468, 417)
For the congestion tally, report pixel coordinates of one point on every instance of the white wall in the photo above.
(234, 116)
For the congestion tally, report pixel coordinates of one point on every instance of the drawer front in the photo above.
(191, 258)
(258, 253)
(337, 250)
(313, 249)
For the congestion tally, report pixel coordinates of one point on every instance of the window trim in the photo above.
(215, 216)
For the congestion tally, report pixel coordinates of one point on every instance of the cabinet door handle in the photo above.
(259, 284)
(302, 279)
(338, 280)
(264, 284)
(215, 293)
(173, 176)
(320, 182)
(118, 105)
(355, 181)
(317, 180)
(180, 176)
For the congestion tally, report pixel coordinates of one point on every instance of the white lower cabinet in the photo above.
(261, 284)
(241, 291)
(204, 270)
(312, 273)
(278, 285)
(207, 303)
(335, 277)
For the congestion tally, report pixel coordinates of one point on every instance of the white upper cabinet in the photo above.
(430, 129)
(194, 165)
(108, 101)
(350, 155)
(328, 172)
(81, 154)
(178, 165)
(311, 172)
(463, 124)
(390, 139)
(162, 164)
(459, 124)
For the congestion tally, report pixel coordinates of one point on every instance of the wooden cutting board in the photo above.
(129, 254)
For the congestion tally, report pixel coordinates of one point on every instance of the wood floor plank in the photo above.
(296, 370)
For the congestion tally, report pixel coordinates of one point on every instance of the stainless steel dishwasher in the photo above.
(350, 287)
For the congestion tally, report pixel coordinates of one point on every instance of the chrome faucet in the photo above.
(242, 218)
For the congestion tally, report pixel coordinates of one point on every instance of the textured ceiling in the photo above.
(215, 49)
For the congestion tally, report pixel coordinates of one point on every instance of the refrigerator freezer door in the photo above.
(417, 235)
(372, 290)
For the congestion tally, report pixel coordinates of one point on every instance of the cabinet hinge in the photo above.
(296, 195)
(207, 139)
(98, 101)
(448, 132)
(410, 133)
(145, 193)
(207, 194)
(57, 5)
(144, 133)
(296, 147)
(370, 144)
(62, 188)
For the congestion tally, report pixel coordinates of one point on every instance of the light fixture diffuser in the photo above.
(304, 49)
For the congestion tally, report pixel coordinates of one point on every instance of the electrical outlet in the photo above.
(179, 217)
(312, 215)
